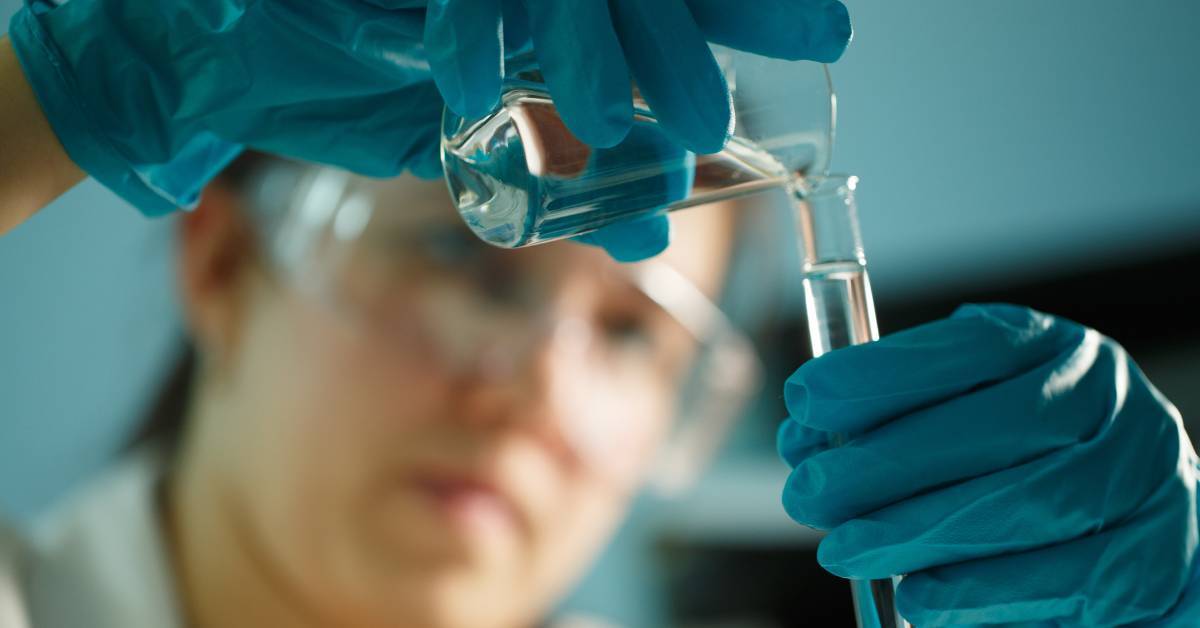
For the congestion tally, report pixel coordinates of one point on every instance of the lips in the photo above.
(469, 501)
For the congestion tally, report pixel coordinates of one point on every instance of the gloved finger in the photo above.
(856, 388)
(796, 443)
(1018, 419)
(516, 26)
(463, 44)
(376, 135)
(675, 71)
(1111, 578)
(818, 30)
(634, 240)
(1127, 467)
(584, 67)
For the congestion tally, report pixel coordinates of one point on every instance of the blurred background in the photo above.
(1023, 151)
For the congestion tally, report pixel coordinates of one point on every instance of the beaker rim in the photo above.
(832, 181)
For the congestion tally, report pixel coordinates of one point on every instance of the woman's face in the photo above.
(423, 434)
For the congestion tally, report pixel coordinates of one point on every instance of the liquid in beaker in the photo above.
(518, 177)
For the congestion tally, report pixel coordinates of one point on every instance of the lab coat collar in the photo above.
(101, 560)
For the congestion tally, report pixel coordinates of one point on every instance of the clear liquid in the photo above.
(841, 310)
(518, 177)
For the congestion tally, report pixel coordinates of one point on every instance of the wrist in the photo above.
(34, 167)
(90, 116)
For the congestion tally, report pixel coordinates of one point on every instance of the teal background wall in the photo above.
(997, 140)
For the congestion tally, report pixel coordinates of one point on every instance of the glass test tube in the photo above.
(841, 312)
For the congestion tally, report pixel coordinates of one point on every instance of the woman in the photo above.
(398, 426)
(1014, 467)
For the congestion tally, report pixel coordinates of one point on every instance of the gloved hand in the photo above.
(588, 50)
(1017, 467)
(153, 98)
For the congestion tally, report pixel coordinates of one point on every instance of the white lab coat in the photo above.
(98, 561)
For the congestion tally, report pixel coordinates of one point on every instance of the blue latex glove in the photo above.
(1017, 467)
(153, 98)
(588, 50)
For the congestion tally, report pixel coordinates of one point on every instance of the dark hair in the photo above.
(163, 422)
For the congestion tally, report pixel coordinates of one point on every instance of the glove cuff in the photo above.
(154, 189)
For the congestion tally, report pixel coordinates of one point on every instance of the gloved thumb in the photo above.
(463, 41)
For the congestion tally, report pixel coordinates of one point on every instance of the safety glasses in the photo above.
(395, 261)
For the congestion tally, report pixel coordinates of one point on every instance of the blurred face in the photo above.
(423, 431)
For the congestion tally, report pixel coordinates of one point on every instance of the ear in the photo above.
(214, 258)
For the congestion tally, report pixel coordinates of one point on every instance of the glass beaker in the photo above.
(519, 177)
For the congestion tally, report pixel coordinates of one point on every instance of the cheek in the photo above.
(615, 430)
(328, 410)
(616, 438)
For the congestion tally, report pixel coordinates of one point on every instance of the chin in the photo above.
(413, 570)
(407, 531)
(447, 599)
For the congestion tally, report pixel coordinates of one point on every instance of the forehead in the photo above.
(701, 237)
